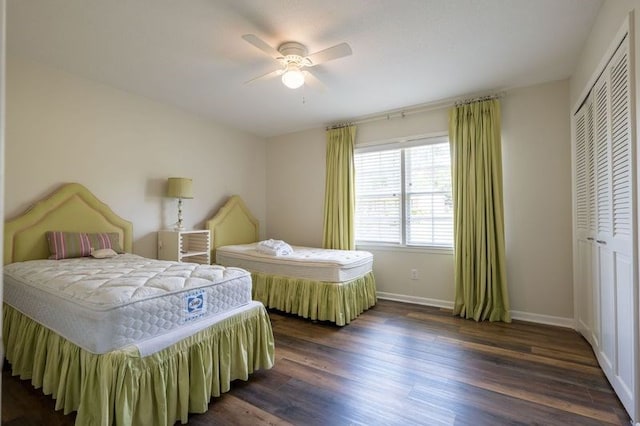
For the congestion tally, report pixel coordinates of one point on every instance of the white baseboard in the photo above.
(544, 319)
(517, 315)
(415, 300)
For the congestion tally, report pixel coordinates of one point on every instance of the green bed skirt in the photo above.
(316, 300)
(122, 388)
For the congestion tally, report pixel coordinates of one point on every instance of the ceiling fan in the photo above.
(293, 59)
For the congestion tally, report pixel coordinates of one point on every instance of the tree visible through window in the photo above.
(403, 194)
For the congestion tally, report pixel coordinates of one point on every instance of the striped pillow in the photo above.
(64, 245)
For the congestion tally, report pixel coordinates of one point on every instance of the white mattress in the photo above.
(105, 304)
(305, 262)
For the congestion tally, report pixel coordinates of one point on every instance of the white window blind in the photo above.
(429, 213)
(378, 196)
(403, 194)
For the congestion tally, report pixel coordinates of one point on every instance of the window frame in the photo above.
(404, 143)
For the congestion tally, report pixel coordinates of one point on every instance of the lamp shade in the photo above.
(179, 187)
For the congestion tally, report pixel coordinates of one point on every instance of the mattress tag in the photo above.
(195, 305)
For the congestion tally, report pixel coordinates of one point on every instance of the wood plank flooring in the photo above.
(398, 364)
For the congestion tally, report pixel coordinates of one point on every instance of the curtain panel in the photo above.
(479, 247)
(339, 198)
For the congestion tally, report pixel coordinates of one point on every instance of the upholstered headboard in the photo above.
(71, 208)
(232, 224)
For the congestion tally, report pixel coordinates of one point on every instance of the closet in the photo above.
(605, 225)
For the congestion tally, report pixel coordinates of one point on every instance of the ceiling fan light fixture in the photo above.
(293, 77)
(293, 57)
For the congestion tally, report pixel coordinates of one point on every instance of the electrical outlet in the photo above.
(414, 274)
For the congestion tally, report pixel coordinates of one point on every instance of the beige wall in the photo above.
(295, 187)
(61, 128)
(536, 142)
(536, 150)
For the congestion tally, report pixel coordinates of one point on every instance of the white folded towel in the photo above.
(274, 247)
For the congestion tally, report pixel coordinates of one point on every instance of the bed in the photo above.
(319, 284)
(124, 340)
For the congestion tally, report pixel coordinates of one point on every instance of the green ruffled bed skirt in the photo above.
(316, 300)
(122, 388)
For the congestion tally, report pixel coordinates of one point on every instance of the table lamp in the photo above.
(179, 187)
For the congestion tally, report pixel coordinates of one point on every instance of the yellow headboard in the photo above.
(233, 224)
(71, 208)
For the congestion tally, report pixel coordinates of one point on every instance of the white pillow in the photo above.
(103, 253)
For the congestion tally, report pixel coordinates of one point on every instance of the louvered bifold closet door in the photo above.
(584, 180)
(592, 271)
(604, 226)
(606, 269)
(593, 267)
(610, 194)
(624, 362)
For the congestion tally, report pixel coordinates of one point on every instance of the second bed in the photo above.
(319, 284)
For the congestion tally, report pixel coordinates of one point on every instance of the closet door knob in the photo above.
(601, 242)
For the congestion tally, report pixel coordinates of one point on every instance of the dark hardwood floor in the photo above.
(398, 364)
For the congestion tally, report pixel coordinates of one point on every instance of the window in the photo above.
(403, 194)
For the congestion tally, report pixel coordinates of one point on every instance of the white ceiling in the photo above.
(189, 53)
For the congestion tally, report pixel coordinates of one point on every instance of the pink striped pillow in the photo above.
(65, 245)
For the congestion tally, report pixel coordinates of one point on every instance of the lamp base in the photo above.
(179, 225)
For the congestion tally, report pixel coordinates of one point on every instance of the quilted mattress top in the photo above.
(103, 284)
(305, 262)
(303, 255)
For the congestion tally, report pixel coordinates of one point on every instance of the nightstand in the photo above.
(185, 246)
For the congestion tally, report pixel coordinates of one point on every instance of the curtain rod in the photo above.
(339, 125)
(402, 113)
(479, 99)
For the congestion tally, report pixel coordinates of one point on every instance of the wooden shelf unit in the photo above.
(185, 246)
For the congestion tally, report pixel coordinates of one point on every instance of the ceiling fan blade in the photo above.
(335, 52)
(266, 76)
(262, 45)
(312, 81)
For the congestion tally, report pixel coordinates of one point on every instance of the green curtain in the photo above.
(339, 197)
(480, 270)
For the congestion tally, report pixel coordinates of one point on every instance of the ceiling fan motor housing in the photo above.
(292, 51)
